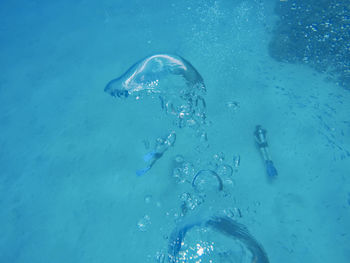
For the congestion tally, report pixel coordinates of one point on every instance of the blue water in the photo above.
(69, 151)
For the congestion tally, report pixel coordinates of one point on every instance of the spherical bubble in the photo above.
(144, 223)
(219, 157)
(190, 201)
(185, 196)
(207, 181)
(179, 159)
(233, 106)
(224, 170)
(188, 169)
(148, 199)
(183, 171)
(178, 175)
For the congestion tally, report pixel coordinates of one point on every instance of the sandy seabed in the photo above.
(69, 151)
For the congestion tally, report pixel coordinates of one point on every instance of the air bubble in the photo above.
(148, 199)
(225, 171)
(219, 157)
(169, 78)
(144, 223)
(233, 106)
(207, 181)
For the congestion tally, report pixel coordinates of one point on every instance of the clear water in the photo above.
(69, 151)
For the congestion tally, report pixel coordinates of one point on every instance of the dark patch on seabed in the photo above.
(315, 33)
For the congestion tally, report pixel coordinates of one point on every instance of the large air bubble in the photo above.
(169, 78)
(215, 239)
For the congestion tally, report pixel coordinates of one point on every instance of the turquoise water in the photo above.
(69, 152)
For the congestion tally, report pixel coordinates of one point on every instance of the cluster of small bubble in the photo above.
(195, 252)
(189, 201)
(144, 223)
(223, 169)
(183, 171)
(315, 33)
